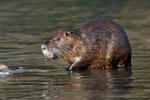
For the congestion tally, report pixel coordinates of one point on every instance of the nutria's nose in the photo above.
(43, 47)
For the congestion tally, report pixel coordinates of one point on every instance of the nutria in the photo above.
(99, 43)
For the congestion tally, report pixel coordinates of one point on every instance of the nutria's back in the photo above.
(99, 43)
(98, 30)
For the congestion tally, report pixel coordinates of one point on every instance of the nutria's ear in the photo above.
(68, 33)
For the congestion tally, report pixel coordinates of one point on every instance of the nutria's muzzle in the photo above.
(47, 53)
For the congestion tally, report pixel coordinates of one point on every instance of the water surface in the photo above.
(25, 24)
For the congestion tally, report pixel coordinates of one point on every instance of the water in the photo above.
(25, 24)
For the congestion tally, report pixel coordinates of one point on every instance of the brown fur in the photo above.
(101, 43)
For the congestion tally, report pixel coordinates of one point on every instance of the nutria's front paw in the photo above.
(70, 68)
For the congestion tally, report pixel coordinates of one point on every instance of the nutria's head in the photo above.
(58, 43)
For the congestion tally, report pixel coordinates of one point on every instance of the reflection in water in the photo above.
(90, 85)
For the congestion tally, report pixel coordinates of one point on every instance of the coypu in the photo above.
(99, 43)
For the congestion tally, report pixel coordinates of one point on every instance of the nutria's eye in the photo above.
(43, 47)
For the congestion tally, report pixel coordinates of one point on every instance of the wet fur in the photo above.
(101, 43)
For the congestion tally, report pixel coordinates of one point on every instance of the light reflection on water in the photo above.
(24, 25)
(91, 85)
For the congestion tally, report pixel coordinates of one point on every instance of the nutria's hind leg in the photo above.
(125, 62)
(110, 61)
(120, 65)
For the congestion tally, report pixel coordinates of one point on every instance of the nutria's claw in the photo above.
(66, 69)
